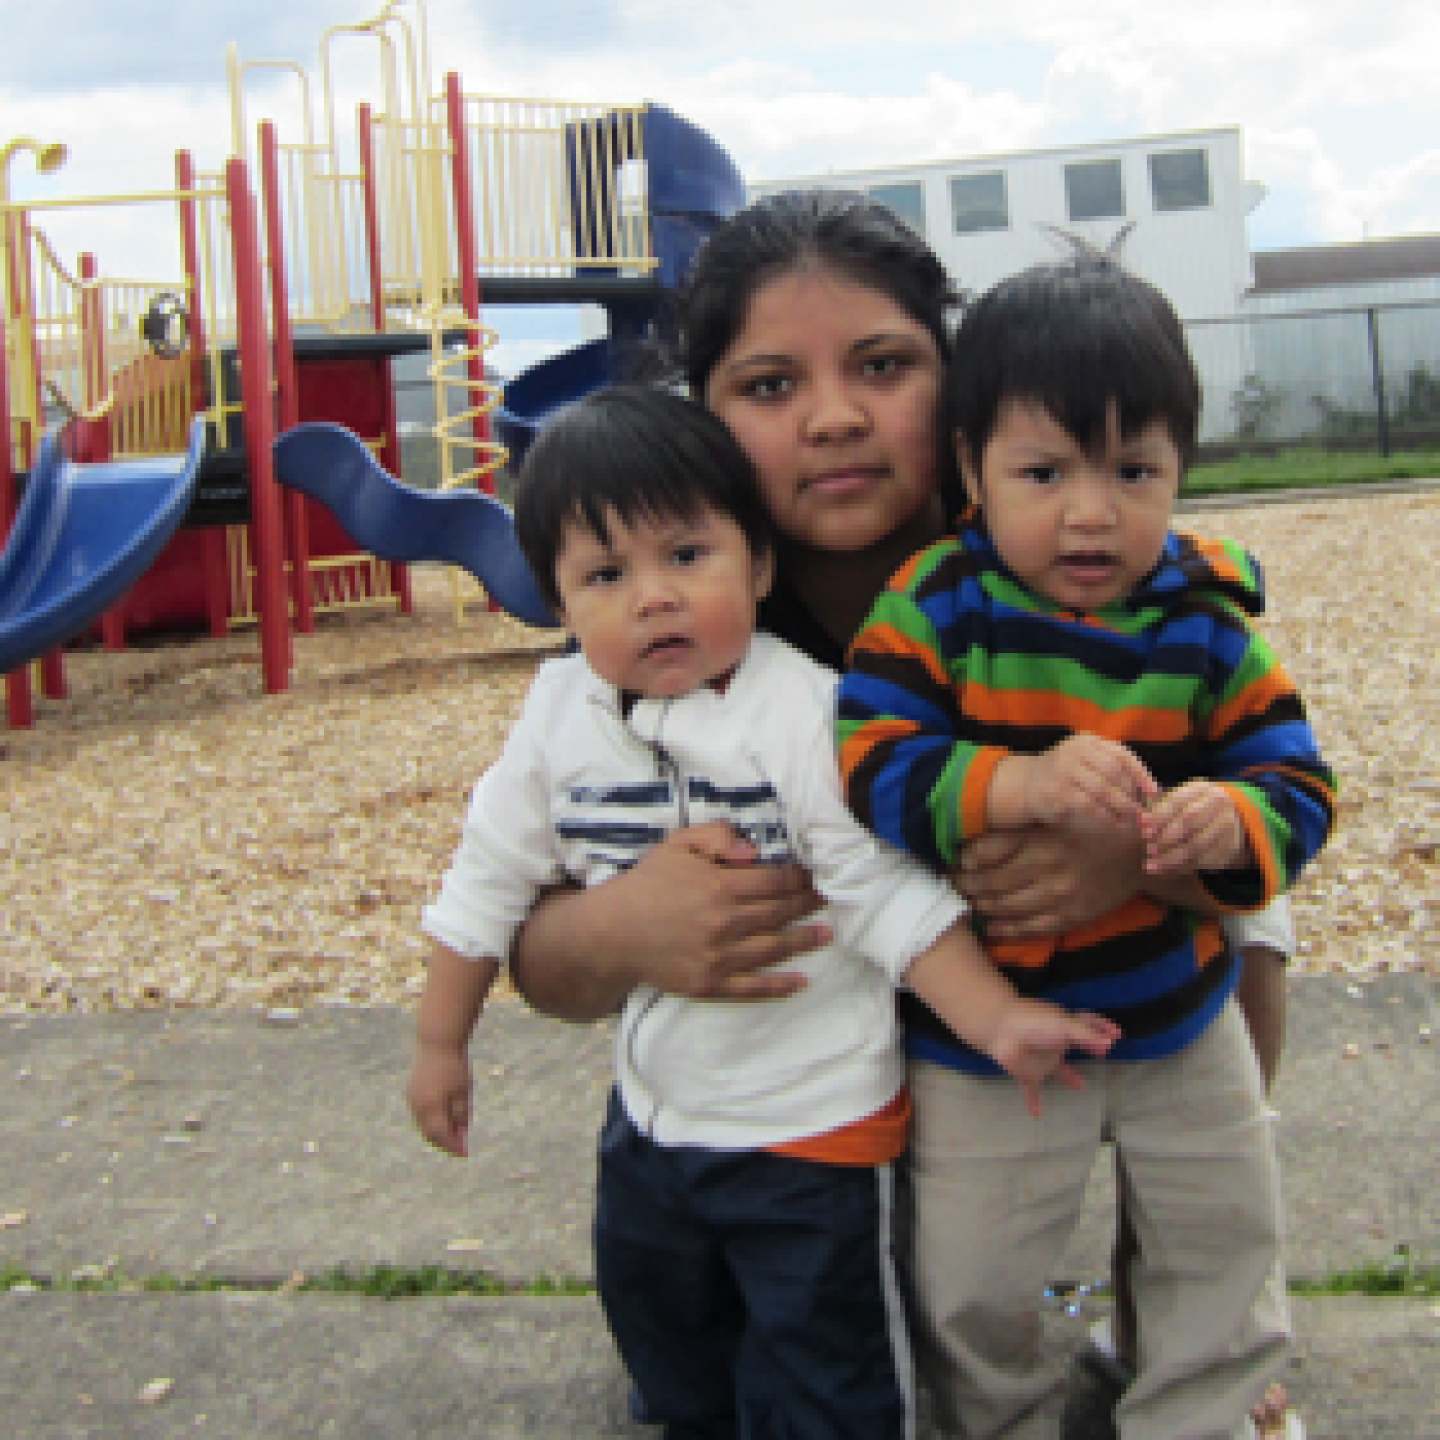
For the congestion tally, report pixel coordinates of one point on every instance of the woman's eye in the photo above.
(688, 554)
(767, 387)
(603, 575)
(1135, 474)
(885, 366)
(1041, 474)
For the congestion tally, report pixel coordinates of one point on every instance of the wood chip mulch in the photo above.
(172, 837)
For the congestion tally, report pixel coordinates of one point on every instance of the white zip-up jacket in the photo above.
(581, 791)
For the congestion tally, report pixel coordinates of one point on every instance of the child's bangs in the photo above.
(1079, 371)
(643, 493)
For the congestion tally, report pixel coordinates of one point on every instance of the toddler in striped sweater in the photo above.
(1066, 658)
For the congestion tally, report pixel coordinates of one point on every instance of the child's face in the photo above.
(1081, 530)
(832, 390)
(666, 605)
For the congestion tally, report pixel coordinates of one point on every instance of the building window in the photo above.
(907, 201)
(1093, 190)
(1180, 179)
(979, 202)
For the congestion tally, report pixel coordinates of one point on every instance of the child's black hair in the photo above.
(638, 452)
(1074, 337)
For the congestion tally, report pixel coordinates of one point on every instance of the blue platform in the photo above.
(82, 536)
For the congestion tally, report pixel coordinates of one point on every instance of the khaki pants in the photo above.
(992, 1196)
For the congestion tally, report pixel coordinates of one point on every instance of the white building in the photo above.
(1175, 203)
(1171, 207)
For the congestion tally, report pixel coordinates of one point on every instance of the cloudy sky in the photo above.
(1337, 101)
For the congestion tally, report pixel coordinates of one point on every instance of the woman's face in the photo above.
(832, 389)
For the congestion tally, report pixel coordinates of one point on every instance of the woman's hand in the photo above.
(1037, 881)
(695, 916)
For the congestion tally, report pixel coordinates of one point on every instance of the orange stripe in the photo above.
(1138, 913)
(887, 640)
(901, 579)
(1022, 954)
(1305, 780)
(975, 792)
(1221, 561)
(1258, 833)
(872, 1140)
(1254, 699)
(1209, 942)
(1068, 712)
(857, 747)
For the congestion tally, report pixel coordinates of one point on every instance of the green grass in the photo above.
(1309, 467)
(382, 1282)
(1399, 1275)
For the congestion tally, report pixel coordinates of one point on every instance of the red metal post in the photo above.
(467, 260)
(287, 386)
(19, 703)
(465, 246)
(258, 402)
(390, 425)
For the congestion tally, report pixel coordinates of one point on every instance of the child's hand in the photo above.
(1032, 1038)
(1193, 827)
(439, 1096)
(1085, 781)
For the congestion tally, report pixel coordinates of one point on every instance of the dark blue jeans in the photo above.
(752, 1296)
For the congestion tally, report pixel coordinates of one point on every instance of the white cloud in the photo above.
(1336, 101)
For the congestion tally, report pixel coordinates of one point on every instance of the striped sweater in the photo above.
(959, 664)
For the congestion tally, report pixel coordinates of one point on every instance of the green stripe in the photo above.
(900, 611)
(1258, 663)
(1010, 671)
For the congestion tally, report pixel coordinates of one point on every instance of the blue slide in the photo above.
(83, 535)
(398, 522)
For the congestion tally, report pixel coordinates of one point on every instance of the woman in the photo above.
(815, 325)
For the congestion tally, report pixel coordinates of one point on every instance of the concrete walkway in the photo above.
(255, 1150)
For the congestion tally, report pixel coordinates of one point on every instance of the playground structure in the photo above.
(294, 300)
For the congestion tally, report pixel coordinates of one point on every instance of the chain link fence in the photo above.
(1360, 378)
(1336, 379)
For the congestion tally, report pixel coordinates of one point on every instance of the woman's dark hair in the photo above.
(637, 452)
(842, 229)
(1074, 337)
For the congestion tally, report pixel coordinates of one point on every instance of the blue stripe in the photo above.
(609, 832)
(1157, 977)
(738, 796)
(889, 789)
(862, 696)
(642, 792)
(1288, 743)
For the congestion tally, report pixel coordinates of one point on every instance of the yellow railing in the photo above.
(114, 345)
(42, 334)
(557, 186)
(461, 400)
(323, 224)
